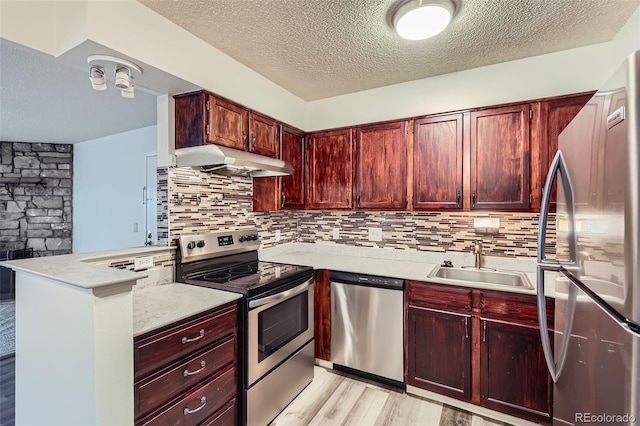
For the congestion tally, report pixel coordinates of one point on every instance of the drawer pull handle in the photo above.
(191, 373)
(203, 401)
(200, 336)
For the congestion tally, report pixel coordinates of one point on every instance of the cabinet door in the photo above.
(500, 158)
(264, 135)
(190, 119)
(228, 123)
(559, 113)
(439, 352)
(292, 150)
(330, 170)
(437, 162)
(381, 155)
(514, 378)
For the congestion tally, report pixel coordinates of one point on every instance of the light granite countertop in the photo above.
(78, 269)
(402, 264)
(157, 306)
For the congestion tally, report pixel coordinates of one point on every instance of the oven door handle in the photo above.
(280, 296)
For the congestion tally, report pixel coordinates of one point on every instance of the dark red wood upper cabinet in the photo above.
(381, 172)
(437, 162)
(558, 113)
(228, 123)
(292, 151)
(439, 352)
(191, 119)
(500, 148)
(330, 170)
(263, 138)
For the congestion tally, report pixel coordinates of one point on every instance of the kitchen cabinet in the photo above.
(285, 192)
(330, 169)
(322, 314)
(499, 149)
(554, 115)
(293, 152)
(381, 154)
(513, 372)
(263, 138)
(438, 355)
(437, 162)
(203, 117)
(479, 346)
(186, 373)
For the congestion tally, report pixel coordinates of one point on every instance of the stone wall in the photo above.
(36, 197)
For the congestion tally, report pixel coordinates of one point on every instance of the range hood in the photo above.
(231, 162)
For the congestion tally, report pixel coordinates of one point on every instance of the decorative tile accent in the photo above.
(423, 231)
(163, 206)
(201, 202)
(196, 202)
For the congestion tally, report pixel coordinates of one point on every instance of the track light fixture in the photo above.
(122, 74)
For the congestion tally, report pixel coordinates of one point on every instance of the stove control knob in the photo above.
(200, 244)
(241, 239)
(254, 237)
(191, 245)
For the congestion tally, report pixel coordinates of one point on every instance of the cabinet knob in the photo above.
(458, 198)
(473, 198)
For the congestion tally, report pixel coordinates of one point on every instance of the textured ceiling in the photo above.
(46, 99)
(323, 48)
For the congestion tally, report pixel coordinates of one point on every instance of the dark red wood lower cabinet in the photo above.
(439, 352)
(514, 377)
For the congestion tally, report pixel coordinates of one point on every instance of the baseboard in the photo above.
(323, 363)
(476, 409)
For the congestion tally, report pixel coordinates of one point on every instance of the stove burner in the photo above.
(218, 277)
(243, 269)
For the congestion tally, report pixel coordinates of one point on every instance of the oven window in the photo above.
(282, 323)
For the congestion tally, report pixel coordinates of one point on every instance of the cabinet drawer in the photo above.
(513, 307)
(161, 349)
(166, 384)
(438, 296)
(199, 404)
(226, 416)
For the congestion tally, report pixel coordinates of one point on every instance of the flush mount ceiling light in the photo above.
(421, 19)
(122, 73)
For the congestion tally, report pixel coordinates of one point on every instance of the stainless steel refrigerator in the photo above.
(589, 258)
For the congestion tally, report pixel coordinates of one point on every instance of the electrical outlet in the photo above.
(145, 262)
(375, 234)
(336, 233)
(135, 226)
(277, 235)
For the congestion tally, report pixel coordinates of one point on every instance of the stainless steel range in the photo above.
(276, 355)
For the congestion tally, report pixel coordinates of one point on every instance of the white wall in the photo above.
(108, 176)
(626, 41)
(569, 71)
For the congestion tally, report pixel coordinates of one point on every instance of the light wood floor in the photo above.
(334, 398)
(7, 391)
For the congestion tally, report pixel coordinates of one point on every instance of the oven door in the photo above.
(279, 325)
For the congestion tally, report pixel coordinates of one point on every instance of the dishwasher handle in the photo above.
(366, 280)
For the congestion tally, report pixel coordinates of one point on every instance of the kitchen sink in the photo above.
(482, 276)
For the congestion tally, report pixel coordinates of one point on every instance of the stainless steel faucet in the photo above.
(477, 250)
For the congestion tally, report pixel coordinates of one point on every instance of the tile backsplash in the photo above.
(192, 201)
(422, 231)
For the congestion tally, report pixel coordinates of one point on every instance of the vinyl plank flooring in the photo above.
(7, 391)
(335, 398)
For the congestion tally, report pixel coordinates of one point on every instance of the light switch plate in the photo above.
(277, 235)
(145, 262)
(336, 233)
(375, 234)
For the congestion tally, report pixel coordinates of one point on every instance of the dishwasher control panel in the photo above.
(380, 281)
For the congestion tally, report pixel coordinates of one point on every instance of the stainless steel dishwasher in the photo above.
(367, 326)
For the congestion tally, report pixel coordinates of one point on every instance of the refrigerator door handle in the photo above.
(557, 165)
(554, 369)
